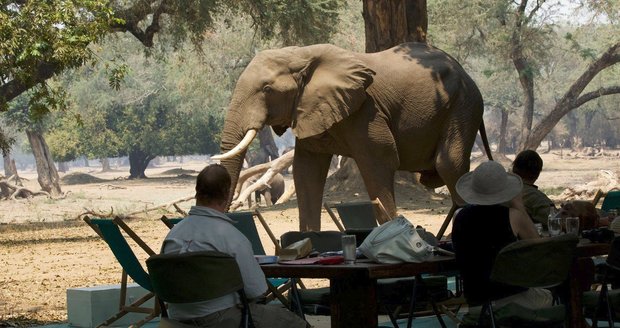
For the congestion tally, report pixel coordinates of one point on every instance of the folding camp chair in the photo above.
(109, 231)
(170, 222)
(197, 277)
(606, 298)
(611, 200)
(540, 263)
(363, 215)
(313, 301)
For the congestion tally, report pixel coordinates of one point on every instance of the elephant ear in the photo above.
(333, 87)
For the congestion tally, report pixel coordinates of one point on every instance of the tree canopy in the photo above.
(530, 42)
(43, 38)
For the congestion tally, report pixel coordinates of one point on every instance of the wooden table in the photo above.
(580, 279)
(353, 286)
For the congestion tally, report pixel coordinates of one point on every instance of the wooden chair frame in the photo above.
(379, 209)
(135, 307)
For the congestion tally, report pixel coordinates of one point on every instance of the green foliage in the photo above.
(38, 36)
(557, 44)
(39, 39)
(585, 53)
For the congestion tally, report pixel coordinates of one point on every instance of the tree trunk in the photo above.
(267, 143)
(527, 84)
(86, 164)
(63, 167)
(8, 168)
(46, 170)
(503, 127)
(105, 165)
(392, 22)
(138, 162)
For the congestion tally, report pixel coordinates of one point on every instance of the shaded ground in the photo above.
(44, 250)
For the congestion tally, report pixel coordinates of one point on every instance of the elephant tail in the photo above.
(485, 140)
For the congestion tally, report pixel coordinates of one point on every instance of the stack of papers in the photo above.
(266, 259)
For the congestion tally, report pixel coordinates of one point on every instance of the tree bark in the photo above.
(8, 168)
(47, 174)
(503, 127)
(392, 22)
(105, 165)
(138, 162)
(573, 99)
(63, 167)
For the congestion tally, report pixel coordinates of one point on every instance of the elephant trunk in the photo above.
(235, 141)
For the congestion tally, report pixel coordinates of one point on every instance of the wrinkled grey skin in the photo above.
(411, 107)
(273, 192)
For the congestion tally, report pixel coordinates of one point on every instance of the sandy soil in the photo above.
(44, 249)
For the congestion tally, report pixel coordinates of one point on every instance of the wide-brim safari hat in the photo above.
(488, 184)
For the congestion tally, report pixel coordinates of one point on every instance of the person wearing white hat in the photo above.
(483, 227)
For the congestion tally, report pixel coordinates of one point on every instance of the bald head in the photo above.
(212, 186)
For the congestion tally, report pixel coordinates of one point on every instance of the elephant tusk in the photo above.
(249, 136)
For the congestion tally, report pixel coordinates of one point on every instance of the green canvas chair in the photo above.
(363, 215)
(109, 231)
(611, 200)
(533, 263)
(197, 277)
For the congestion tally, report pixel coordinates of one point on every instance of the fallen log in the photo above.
(276, 166)
(164, 206)
(12, 192)
(286, 196)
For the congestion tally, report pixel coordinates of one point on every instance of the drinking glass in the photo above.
(348, 248)
(555, 226)
(572, 225)
(539, 229)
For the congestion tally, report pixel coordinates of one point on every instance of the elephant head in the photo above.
(308, 89)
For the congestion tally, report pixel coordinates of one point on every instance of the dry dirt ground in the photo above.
(45, 249)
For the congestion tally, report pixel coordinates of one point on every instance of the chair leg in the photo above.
(492, 315)
(486, 307)
(610, 318)
(295, 303)
(437, 313)
(412, 304)
(135, 308)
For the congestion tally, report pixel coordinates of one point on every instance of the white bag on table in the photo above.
(398, 241)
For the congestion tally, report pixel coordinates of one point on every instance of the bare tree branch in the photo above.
(595, 94)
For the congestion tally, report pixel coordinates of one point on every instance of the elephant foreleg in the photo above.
(379, 181)
(309, 173)
(268, 198)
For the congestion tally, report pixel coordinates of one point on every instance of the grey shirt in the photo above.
(206, 229)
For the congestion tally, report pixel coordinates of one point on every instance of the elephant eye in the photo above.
(267, 89)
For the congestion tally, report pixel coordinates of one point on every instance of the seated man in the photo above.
(528, 165)
(208, 228)
(483, 227)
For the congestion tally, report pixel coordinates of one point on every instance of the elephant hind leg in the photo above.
(451, 163)
(431, 179)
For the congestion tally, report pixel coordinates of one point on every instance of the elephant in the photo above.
(272, 192)
(412, 107)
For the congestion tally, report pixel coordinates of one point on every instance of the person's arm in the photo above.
(254, 281)
(521, 224)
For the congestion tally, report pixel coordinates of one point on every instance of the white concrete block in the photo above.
(90, 306)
